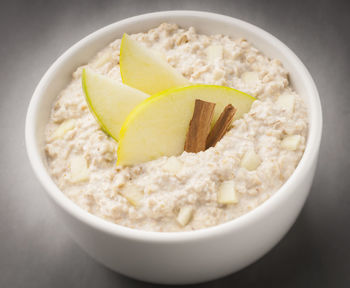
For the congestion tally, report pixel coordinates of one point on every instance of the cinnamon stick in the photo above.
(221, 126)
(199, 126)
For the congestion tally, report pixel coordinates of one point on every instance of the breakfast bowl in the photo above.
(187, 256)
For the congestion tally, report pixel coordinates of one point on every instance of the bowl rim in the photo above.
(305, 164)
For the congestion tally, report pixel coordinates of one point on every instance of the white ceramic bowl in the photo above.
(181, 257)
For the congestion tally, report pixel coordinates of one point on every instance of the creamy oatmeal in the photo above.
(255, 157)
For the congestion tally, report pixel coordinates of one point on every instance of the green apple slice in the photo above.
(157, 127)
(109, 101)
(142, 68)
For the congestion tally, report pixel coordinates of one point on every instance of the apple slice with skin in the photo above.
(109, 101)
(157, 127)
(142, 68)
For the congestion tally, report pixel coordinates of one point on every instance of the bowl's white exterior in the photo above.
(185, 257)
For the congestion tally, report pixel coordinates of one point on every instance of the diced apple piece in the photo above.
(227, 193)
(142, 68)
(291, 142)
(185, 215)
(250, 78)
(250, 160)
(287, 101)
(158, 126)
(79, 171)
(63, 128)
(109, 101)
(173, 165)
(214, 52)
(133, 194)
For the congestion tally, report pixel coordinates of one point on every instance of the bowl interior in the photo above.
(59, 75)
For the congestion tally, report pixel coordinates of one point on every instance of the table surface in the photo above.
(36, 251)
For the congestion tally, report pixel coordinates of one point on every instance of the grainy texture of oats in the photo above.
(81, 157)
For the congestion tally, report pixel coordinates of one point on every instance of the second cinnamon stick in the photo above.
(221, 126)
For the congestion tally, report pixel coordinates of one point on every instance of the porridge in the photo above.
(188, 191)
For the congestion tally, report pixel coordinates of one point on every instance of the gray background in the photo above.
(35, 250)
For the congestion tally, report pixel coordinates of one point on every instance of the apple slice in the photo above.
(250, 160)
(227, 193)
(215, 52)
(79, 171)
(109, 101)
(157, 127)
(291, 142)
(145, 70)
(63, 129)
(133, 194)
(185, 215)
